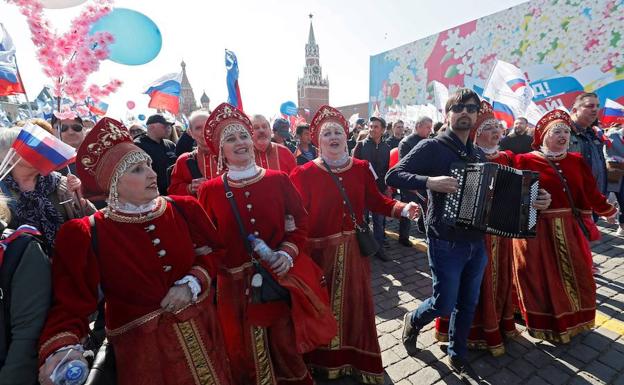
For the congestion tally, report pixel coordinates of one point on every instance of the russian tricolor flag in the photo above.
(10, 82)
(503, 112)
(516, 84)
(612, 113)
(42, 150)
(165, 93)
(234, 94)
(98, 108)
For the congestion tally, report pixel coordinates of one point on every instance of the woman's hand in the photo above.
(178, 297)
(73, 183)
(612, 220)
(282, 264)
(543, 200)
(411, 211)
(46, 370)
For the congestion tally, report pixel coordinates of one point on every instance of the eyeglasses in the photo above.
(75, 127)
(470, 108)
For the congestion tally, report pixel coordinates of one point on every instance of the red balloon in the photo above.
(394, 91)
(130, 104)
(394, 157)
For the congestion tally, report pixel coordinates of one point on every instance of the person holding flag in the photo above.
(38, 195)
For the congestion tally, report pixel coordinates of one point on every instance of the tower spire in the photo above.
(311, 39)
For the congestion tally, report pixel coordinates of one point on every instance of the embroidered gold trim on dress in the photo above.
(338, 170)
(337, 293)
(202, 271)
(57, 337)
(562, 338)
(262, 359)
(494, 246)
(496, 351)
(196, 357)
(246, 182)
(161, 207)
(347, 370)
(565, 267)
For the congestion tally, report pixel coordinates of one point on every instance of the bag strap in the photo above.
(342, 192)
(193, 165)
(566, 188)
(241, 228)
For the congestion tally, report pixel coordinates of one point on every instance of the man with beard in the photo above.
(456, 256)
(268, 154)
(584, 139)
(519, 141)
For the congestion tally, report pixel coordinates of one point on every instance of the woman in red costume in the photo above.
(354, 351)
(553, 272)
(264, 339)
(153, 260)
(494, 315)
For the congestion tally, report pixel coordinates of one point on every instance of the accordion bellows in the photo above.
(493, 198)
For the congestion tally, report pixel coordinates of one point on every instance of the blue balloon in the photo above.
(141, 117)
(137, 38)
(288, 108)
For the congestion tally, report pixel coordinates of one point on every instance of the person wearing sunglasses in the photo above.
(457, 257)
(72, 131)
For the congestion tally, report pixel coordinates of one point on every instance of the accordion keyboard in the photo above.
(532, 211)
(451, 206)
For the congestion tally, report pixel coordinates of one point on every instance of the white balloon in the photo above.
(59, 4)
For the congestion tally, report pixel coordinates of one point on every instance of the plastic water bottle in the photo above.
(73, 372)
(262, 249)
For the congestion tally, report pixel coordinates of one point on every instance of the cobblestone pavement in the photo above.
(594, 357)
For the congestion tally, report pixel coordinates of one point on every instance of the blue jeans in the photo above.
(456, 271)
(379, 228)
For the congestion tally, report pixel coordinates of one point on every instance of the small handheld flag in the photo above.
(234, 94)
(165, 93)
(42, 150)
(10, 82)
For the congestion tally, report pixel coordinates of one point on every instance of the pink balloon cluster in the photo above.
(69, 58)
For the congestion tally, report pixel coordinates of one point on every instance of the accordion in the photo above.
(493, 198)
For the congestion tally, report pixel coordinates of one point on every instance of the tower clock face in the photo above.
(316, 70)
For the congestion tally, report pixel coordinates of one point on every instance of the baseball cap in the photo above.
(360, 121)
(380, 120)
(158, 118)
(282, 128)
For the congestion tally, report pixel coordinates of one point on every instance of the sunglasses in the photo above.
(75, 127)
(470, 108)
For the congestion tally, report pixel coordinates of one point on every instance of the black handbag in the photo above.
(363, 233)
(103, 371)
(270, 290)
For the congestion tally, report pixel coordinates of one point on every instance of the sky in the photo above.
(268, 37)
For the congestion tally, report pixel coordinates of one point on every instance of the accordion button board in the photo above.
(493, 198)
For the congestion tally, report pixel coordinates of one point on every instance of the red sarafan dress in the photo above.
(553, 272)
(181, 176)
(332, 244)
(494, 315)
(276, 157)
(265, 341)
(138, 259)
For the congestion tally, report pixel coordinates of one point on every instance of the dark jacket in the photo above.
(186, 143)
(378, 155)
(163, 155)
(31, 294)
(518, 144)
(301, 158)
(393, 142)
(406, 144)
(587, 143)
(431, 157)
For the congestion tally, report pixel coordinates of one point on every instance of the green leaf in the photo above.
(451, 72)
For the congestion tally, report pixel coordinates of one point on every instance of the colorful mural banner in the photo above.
(565, 47)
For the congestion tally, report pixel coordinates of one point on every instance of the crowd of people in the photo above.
(235, 253)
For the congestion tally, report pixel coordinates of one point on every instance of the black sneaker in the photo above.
(410, 335)
(465, 372)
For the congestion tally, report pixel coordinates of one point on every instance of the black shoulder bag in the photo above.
(566, 188)
(270, 290)
(366, 241)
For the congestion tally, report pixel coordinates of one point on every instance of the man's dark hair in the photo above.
(462, 95)
(437, 126)
(301, 128)
(579, 99)
(523, 118)
(55, 120)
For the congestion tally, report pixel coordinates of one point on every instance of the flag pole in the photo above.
(19, 77)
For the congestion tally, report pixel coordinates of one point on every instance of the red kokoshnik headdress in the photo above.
(323, 115)
(224, 118)
(548, 121)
